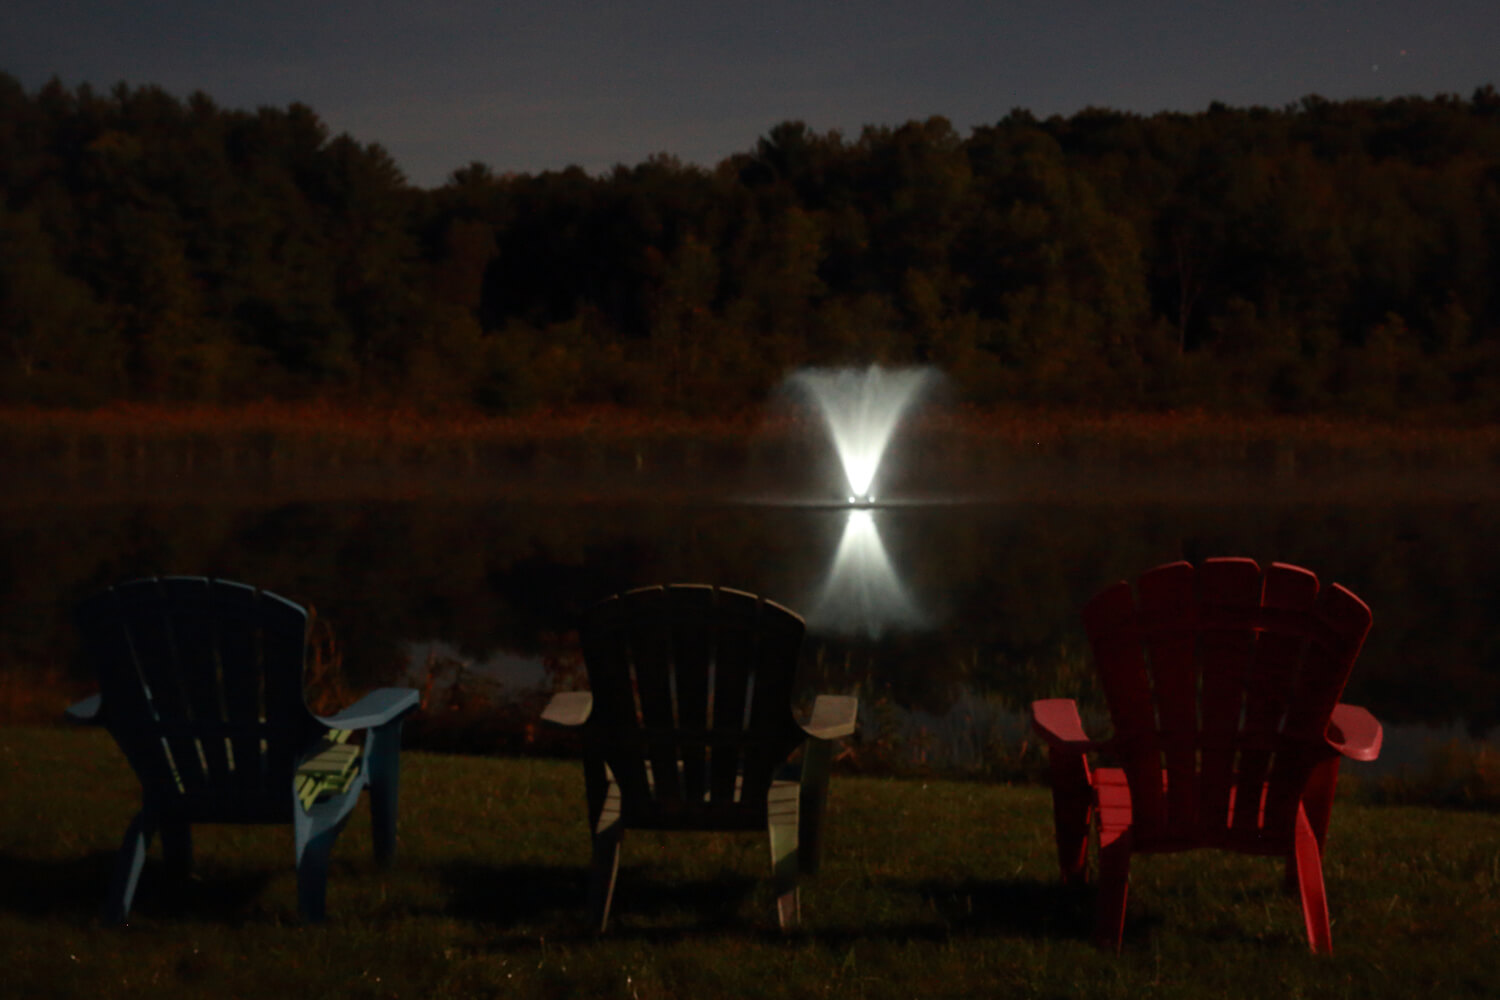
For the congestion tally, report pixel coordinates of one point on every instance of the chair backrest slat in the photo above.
(283, 642)
(1220, 682)
(1120, 656)
(201, 683)
(1268, 689)
(139, 681)
(695, 682)
(1229, 592)
(1172, 669)
(773, 640)
(190, 622)
(693, 652)
(650, 652)
(733, 679)
(240, 664)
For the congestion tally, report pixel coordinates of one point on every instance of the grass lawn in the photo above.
(928, 889)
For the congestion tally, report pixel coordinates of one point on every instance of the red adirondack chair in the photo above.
(1223, 687)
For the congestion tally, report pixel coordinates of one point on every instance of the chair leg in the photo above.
(1317, 801)
(1317, 798)
(599, 790)
(1114, 888)
(128, 864)
(1072, 808)
(817, 762)
(383, 759)
(785, 861)
(312, 874)
(1309, 863)
(788, 906)
(783, 877)
(606, 865)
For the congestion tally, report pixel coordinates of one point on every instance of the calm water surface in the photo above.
(938, 610)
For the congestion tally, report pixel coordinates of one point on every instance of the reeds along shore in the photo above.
(319, 446)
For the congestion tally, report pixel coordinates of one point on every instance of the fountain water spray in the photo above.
(861, 408)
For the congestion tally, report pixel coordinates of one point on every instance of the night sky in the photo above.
(530, 86)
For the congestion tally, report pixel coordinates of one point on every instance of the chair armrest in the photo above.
(1354, 732)
(1056, 721)
(833, 716)
(85, 711)
(377, 708)
(569, 708)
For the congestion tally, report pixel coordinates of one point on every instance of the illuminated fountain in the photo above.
(862, 409)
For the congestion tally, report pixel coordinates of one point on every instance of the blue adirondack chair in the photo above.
(689, 726)
(200, 683)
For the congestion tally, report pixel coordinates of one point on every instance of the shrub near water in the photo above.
(1455, 774)
(980, 737)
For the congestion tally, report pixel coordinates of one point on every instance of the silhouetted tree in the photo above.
(1325, 255)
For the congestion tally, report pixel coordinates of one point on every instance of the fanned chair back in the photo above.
(691, 686)
(203, 683)
(1220, 683)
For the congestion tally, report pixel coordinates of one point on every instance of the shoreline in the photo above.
(312, 452)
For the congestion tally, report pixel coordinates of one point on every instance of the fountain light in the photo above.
(861, 407)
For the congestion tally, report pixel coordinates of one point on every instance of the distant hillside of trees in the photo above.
(1326, 256)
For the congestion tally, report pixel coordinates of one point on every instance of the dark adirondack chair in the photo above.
(689, 727)
(1223, 685)
(200, 683)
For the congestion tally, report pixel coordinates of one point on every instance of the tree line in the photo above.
(1321, 257)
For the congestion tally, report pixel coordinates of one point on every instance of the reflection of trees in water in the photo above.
(1002, 586)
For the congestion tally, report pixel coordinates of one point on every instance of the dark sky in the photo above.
(531, 85)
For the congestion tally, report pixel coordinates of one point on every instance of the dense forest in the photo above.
(1339, 257)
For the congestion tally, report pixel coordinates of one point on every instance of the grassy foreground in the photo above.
(928, 889)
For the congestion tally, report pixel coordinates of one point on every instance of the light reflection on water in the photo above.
(916, 603)
(862, 593)
(862, 596)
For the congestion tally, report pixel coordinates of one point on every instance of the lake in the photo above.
(948, 612)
